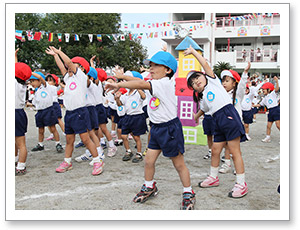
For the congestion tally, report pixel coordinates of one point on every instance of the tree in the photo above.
(220, 66)
(128, 54)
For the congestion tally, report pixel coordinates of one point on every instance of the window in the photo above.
(190, 135)
(188, 64)
(186, 110)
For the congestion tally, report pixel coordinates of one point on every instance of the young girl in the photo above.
(166, 132)
(112, 108)
(229, 127)
(45, 116)
(77, 119)
(270, 101)
(22, 74)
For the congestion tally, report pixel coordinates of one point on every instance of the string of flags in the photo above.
(166, 29)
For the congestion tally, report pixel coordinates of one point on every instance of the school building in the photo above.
(231, 37)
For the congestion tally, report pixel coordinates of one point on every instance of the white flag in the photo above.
(91, 37)
(67, 37)
(122, 37)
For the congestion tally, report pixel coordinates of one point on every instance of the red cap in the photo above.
(102, 75)
(231, 73)
(268, 85)
(111, 77)
(82, 62)
(123, 90)
(54, 77)
(22, 71)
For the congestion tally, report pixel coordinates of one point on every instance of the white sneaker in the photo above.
(248, 137)
(51, 137)
(254, 121)
(225, 169)
(266, 140)
(112, 151)
(84, 157)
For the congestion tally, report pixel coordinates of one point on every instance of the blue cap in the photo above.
(163, 58)
(137, 74)
(39, 73)
(93, 73)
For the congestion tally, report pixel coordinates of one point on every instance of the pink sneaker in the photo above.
(238, 191)
(112, 151)
(97, 168)
(63, 167)
(130, 137)
(51, 137)
(113, 135)
(209, 182)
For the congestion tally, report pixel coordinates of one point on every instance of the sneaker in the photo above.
(51, 137)
(59, 148)
(188, 201)
(130, 137)
(266, 140)
(118, 142)
(238, 191)
(20, 172)
(225, 169)
(112, 151)
(113, 135)
(138, 158)
(37, 148)
(84, 157)
(145, 193)
(248, 137)
(207, 156)
(223, 158)
(145, 152)
(104, 146)
(79, 144)
(209, 182)
(63, 167)
(127, 156)
(254, 121)
(97, 168)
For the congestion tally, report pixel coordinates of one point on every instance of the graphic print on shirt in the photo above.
(210, 96)
(73, 86)
(120, 108)
(154, 103)
(43, 94)
(247, 100)
(134, 104)
(270, 101)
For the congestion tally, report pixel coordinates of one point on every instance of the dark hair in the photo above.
(234, 89)
(196, 95)
(22, 82)
(253, 83)
(49, 76)
(170, 75)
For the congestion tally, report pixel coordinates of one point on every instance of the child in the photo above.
(45, 116)
(121, 113)
(134, 121)
(166, 132)
(229, 127)
(270, 101)
(22, 74)
(77, 119)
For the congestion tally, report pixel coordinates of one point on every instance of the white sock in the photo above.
(87, 153)
(96, 159)
(209, 152)
(51, 135)
(102, 140)
(100, 150)
(267, 136)
(111, 144)
(21, 166)
(149, 184)
(214, 171)
(228, 162)
(128, 150)
(57, 142)
(68, 160)
(187, 189)
(16, 158)
(113, 132)
(240, 178)
(41, 144)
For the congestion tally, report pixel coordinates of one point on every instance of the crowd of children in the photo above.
(90, 97)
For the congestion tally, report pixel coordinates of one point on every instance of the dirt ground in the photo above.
(44, 189)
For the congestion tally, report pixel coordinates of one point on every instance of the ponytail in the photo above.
(197, 97)
(234, 94)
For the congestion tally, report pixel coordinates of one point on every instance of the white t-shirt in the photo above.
(246, 104)
(53, 91)
(75, 90)
(162, 103)
(20, 95)
(270, 100)
(215, 96)
(91, 94)
(111, 100)
(43, 98)
(133, 103)
(99, 94)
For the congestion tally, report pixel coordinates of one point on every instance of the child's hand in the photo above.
(247, 67)
(117, 95)
(118, 71)
(92, 58)
(17, 51)
(195, 118)
(188, 51)
(275, 78)
(50, 51)
(164, 48)
(54, 49)
(111, 86)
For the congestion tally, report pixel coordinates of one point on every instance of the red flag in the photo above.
(37, 36)
(130, 36)
(157, 24)
(137, 25)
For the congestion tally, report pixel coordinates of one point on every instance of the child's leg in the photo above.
(113, 124)
(246, 128)
(119, 134)
(269, 126)
(54, 131)
(227, 152)
(105, 132)
(182, 170)
(278, 124)
(216, 151)
(125, 141)
(209, 141)
(21, 146)
(41, 134)
(94, 138)
(70, 139)
(138, 143)
(150, 159)
(16, 148)
(235, 150)
(89, 144)
(61, 124)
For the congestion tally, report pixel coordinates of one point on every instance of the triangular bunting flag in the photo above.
(23, 38)
(109, 36)
(50, 37)
(122, 37)
(29, 35)
(19, 34)
(67, 37)
(37, 36)
(76, 37)
(99, 37)
(125, 26)
(140, 36)
(90, 37)
(59, 37)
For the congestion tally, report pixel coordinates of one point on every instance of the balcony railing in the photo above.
(265, 55)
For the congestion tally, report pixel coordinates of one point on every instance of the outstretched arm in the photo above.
(201, 60)
(92, 61)
(65, 59)
(16, 55)
(138, 84)
(59, 63)
(120, 75)
(277, 85)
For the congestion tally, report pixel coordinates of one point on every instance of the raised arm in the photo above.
(65, 59)
(119, 74)
(138, 84)
(16, 55)
(117, 98)
(92, 61)
(201, 60)
(40, 78)
(277, 85)
(59, 63)
(142, 94)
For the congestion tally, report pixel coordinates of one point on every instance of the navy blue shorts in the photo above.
(135, 124)
(102, 116)
(60, 101)
(274, 114)
(45, 117)
(247, 117)
(112, 112)
(209, 125)
(21, 122)
(145, 111)
(77, 121)
(120, 122)
(167, 137)
(93, 117)
(254, 110)
(57, 109)
(228, 125)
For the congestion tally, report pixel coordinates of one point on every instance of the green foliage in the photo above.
(128, 54)
(220, 66)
